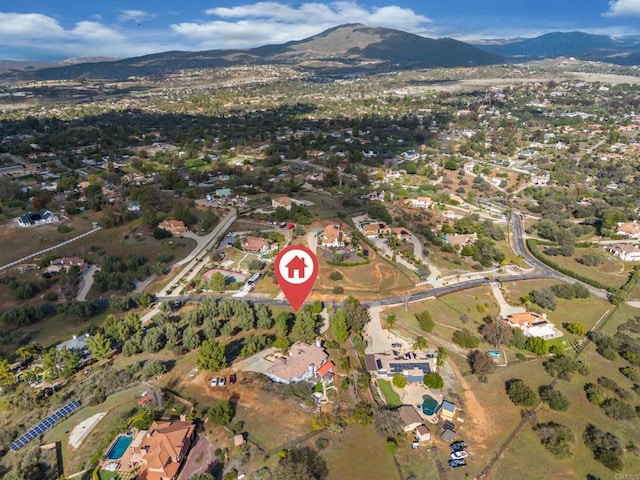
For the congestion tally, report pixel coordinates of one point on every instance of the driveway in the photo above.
(86, 283)
(379, 339)
(201, 458)
(505, 308)
(256, 363)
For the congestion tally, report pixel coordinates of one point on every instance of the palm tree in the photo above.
(442, 356)
(391, 320)
(420, 343)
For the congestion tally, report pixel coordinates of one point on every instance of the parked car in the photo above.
(214, 382)
(459, 455)
(283, 224)
(232, 378)
(457, 463)
(396, 345)
(458, 446)
(222, 381)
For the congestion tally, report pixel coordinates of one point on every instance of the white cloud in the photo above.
(623, 8)
(95, 32)
(28, 25)
(135, 16)
(275, 22)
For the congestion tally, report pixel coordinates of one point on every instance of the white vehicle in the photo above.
(222, 381)
(459, 455)
(214, 382)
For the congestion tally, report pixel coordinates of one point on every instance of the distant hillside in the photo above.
(342, 49)
(572, 44)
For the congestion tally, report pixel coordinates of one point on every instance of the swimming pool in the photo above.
(430, 405)
(119, 447)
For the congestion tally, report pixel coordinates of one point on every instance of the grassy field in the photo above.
(447, 310)
(20, 242)
(391, 397)
(358, 453)
(612, 272)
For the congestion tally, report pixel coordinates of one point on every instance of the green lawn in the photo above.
(391, 397)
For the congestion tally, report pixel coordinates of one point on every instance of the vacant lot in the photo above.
(358, 453)
(613, 271)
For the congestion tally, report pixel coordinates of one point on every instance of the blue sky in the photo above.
(58, 29)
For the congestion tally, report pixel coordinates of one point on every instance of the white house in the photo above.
(423, 434)
(421, 202)
(284, 202)
(626, 252)
(629, 229)
(33, 219)
(533, 325)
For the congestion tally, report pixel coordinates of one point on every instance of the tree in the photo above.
(480, 362)
(301, 464)
(520, 393)
(605, 446)
(218, 282)
(576, 328)
(363, 414)
(433, 380)
(220, 412)
(618, 410)
(339, 326)
(554, 398)
(99, 345)
(391, 320)
(7, 377)
(399, 380)
(191, 338)
(211, 356)
(29, 352)
(441, 356)
(420, 343)
(304, 327)
(556, 438)
(356, 314)
(497, 332)
(544, 298)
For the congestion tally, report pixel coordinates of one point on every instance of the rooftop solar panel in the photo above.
(44, 425)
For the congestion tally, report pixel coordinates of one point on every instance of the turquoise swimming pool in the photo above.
(430, 405)
(119, 447)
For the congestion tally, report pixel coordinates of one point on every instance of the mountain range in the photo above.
(347, 49)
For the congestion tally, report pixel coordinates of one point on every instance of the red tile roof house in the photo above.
(176, 227)
(159, 451)
(252, 244)
(284, 202)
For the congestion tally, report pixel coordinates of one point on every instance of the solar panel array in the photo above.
(45, 425)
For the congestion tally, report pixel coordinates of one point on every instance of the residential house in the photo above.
(447, 410)
(423, 434)
(626, 252)
(451, 215)
(76, 344)
(533, 325)
(159, 451)
(460, 240)
(421, 202)
(629, 229)
(176, 227)
(410, 417)
(68, 262)
(413, 365)
(256, 245)
(34, 219)
(284, 202)
(333, 236)
(301, 363)
(375, 230)
(326, 369)
(402, 233)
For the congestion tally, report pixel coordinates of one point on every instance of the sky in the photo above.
(60, 29)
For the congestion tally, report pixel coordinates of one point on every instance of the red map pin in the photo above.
(296, 269)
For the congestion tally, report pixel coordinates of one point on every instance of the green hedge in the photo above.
(348, 264)
(532, 244)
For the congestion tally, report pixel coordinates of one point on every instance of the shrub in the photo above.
(605, 446)
(520, 393)
(544, 298)
(399, 380)
(425, 321)
(335, 276)
(338, 290)
(536, 345)
(220, 412)
(592, 259)
(480, 362)
(433, 380)
(618, 410)
(465, 338)
(575, 328)
(595, 393)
